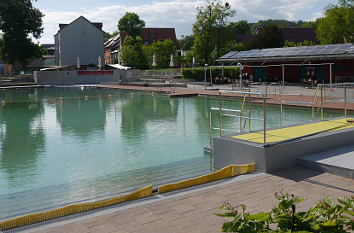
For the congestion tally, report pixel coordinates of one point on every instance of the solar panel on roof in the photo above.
(351, 49)
(228, 55)
(315, 50)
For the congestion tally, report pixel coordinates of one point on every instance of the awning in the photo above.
(119, 67)
(54, 68)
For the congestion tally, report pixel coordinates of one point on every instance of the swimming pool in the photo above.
(65, 145)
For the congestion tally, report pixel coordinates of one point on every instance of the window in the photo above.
(152, 35)
(146, 42)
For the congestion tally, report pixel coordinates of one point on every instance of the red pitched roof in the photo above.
(299, 34)
(155, 34)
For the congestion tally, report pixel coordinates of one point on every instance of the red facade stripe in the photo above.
(95, 72)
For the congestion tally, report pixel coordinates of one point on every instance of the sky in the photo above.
(179, 14)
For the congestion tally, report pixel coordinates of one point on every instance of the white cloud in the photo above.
(316, 15)
(179, 14)
(271, 9)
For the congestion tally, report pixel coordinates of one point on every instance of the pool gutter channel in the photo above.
(148, 191)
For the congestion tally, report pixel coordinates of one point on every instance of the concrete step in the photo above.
(338, 161)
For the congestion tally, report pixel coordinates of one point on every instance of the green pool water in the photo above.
(65, 145)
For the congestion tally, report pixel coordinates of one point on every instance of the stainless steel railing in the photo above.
(226, 112)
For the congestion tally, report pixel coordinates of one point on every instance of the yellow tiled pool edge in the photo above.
(293, 132)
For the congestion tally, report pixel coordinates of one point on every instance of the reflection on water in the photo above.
(82, 118)
(22, 137)
(138, 111)
(62, 145)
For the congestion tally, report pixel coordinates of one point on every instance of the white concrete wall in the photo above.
(77, 77)
(80, 39)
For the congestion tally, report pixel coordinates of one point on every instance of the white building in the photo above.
(80, 38)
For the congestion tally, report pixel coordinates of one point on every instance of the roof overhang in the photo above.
(287, 58)
(119, 67)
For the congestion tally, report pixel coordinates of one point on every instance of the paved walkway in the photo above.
(303, 97)
(192, 210)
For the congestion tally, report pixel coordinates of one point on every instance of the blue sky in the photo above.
(179, 14)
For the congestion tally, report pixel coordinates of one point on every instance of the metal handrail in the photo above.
(249, 93)
(244, 92)
(300, 102)
(295, 102)
(323, 99)
(225, 109)
(275, 84)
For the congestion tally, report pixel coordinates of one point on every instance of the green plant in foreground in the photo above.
(324, 216)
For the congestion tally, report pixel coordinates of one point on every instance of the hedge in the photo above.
(197, 74)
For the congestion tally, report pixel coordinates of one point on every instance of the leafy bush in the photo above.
(197, 74)
(324, 216)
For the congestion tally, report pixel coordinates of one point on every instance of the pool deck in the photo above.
(297, 94)
(297, 131)
(191, 210)
(273, 99)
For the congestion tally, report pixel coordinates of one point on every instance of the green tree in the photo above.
(240, 27)
(19, 21)
(338, 24)
(232, 46)
(132, 53)
(294, 44)
(162, 52)
(306, 24)
(208, 29)
(269, 36)
(186, 42)
(346, 3)
(282, 23)
(188, 57)
(132, 24)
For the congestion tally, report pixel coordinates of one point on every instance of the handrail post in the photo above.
(211, 77)
(249, 112)
(281, 113)
(210, 133)
(205, 79)
(265, 119)
(241, 112)
(345, 100)
(322, 102)
(220, 114)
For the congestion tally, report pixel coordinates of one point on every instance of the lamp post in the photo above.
(205, 71)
